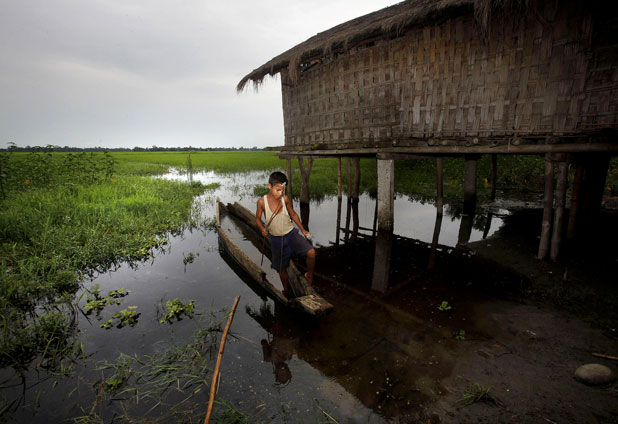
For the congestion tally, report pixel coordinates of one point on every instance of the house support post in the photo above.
(439, 187)
(575, 194)
(434, 241)
(559, 208)
(304, 174)
(354, 198)
(338, 221)
(548, 206)
(470, 183)
(595, 174)
(494, 175)
(382, 261)
(288, 171)
(386, 193)
(348, 201)
(339, 178)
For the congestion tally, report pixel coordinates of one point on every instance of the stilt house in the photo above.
(459, 77)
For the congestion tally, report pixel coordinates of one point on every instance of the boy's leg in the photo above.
(310, 265)
(284, 280)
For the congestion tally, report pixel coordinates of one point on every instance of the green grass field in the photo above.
(63, 217)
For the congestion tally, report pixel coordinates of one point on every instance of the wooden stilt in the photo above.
(386, 193)
(595, 174)
(356, 187)
(434, 241)
(465, 227)
(547, 207)
(338, 221)
(470, 183)
(305, 172)
(348, 212)
(559, 210)
(494, 175)
(355, 223)
(490, 216)
(375, 219)
(382, 261)
(339, 179)
(349, 189)
(439, 186)
(575, 192)
(288, 171)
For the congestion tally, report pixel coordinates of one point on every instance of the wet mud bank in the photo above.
(488, 315)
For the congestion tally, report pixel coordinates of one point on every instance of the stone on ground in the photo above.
(594, 374)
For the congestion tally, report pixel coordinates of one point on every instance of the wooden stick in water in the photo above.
(215, 376)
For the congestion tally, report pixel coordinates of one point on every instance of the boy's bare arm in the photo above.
(258, 216)
(293, 215)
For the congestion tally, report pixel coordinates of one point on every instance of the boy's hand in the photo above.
(307, 234)
(264, 232)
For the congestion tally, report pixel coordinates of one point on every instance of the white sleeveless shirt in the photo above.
(281, 224)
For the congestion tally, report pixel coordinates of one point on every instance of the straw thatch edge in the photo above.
(388, 22)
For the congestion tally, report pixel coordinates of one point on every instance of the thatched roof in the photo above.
(393, 20)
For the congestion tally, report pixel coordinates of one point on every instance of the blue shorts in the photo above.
(286, 247)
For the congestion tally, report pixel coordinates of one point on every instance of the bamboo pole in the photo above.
(215, 376)
(547, 207)
(579, 176)
(439, 186)
(600, 355)
(559, 210)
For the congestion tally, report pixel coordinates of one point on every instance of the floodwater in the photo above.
(380, 355)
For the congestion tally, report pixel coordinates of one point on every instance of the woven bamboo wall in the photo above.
(546, 75)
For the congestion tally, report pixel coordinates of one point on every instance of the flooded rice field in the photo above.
(407, 349)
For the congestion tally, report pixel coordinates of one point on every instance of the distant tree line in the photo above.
(14, 148)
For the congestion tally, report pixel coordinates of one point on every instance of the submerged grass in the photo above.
(162, 387)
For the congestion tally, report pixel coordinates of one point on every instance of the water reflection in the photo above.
(382, 261)
(279, 344)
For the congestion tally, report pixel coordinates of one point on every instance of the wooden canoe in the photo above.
(306, 300)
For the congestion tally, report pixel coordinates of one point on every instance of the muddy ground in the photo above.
(528, 324)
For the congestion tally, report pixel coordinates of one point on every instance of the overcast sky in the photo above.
(125, 73)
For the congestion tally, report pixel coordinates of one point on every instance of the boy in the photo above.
(285, 241)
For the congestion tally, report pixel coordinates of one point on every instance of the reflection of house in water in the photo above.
(458, 78)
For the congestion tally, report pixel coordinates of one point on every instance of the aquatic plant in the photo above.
(444, 306)
(123, 318)
(176, 309)
(475, 392)
(189, 258)
(97, 303)
(459, 335)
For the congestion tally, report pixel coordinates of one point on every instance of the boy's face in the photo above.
(276, 190)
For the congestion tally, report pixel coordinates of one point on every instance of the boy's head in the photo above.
(277, 178)
(276, 184)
